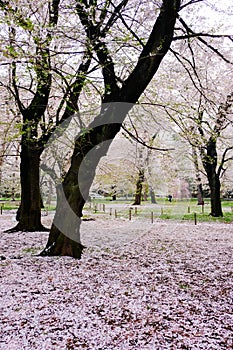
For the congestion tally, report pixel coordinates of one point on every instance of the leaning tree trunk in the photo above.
(64, 237)
(72, 193)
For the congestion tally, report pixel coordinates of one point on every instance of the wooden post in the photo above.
(115, 213)
(104, 208)
(152, 217)
(188, 209)
(95, 208)
(129, 214)
(1, 209)
(202, 208)
(195, 218)
(110, 211)
(135, 210)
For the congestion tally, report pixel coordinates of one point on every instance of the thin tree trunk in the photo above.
(152, 196)
(200, 198)
(145, 193)
(50, 192)
(138, 194)
(198, 178)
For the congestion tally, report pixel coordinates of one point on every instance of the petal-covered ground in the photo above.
(165, 285)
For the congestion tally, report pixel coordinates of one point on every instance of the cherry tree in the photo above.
(56, 49)
(200, 105)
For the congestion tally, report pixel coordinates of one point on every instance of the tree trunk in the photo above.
(64, 237)
(152, 196)
(138, 194)
(49, 193)
(215, 195)
(145, 193)
(200, 194)
(198, 178)
(29, 215)
(114, 192)
(210, 164)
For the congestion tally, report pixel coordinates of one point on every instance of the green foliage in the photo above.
(10, 51)
(26, 24)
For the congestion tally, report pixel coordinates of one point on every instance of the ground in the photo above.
(166, 285)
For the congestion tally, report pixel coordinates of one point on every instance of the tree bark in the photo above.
(29, 215)
(64, 237)
(215, 195)
(209, 160)
(138, 193)
(152, 196)
(198, 178)
(200, 199)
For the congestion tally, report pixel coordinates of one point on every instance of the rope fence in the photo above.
(132, 212)
(135, 212)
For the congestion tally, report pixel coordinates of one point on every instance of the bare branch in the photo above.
(140, 140)
(224, 160)
(191, 2)
(189, 30)
(196, 35)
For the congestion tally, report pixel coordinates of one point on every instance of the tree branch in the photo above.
(153, 52)
(224, 160)
(139, 140)
(189, 30)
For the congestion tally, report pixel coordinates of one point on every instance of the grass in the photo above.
(32, 250)
(176, 210)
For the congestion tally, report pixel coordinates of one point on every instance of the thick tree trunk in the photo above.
(64, 237)
(59, 244)
(210, 164)
(215, 195)
(29, 215)
(138, 194)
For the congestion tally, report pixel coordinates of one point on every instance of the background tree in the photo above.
(9, 144)
(39, 76)
(194, 101)
(209, 154)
